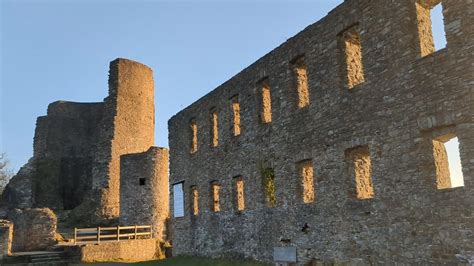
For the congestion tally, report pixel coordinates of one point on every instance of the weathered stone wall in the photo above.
(404, 101)
(59, 173)
(33, 229)
(144, 190)
(126, 251)
(127, 127)
(64, 146)
(6, 236)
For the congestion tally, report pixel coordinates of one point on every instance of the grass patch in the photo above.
(189, 261)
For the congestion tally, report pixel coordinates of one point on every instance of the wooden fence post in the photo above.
(98, 235)
(118, 233)
(135, 232)
(75, 235)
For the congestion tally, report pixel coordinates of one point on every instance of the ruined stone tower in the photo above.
(77, 149)
(143, 189)
(128, 126)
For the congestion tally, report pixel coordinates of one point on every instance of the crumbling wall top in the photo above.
(74, 109)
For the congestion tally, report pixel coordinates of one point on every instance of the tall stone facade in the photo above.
(381, 100)
(77, 149)
(64, 146)
(144, 190)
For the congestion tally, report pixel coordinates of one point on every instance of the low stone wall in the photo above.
(130, 251)
(6, 235)
(34, 229)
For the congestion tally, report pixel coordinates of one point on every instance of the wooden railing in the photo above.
(116, 233)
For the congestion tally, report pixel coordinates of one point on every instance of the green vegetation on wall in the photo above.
(268, 184)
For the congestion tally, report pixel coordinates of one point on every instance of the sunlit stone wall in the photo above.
(398, 100)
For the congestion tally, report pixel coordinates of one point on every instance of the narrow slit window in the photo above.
(215, 197)
(178, 200)
(266, 105)
(239, 193)
(214, 129)
(430, 26)
(306, 173)
(268, 183)
(448, 162)
(194, 136)
(235, 115)
(141, 181)
(361, 167)
(299, 68)
(195, 202)
(354, 67)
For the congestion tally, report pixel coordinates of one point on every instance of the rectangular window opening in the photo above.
(215, 196)
(361, 165)
(142, 181)
(239, 195)
(236, 115)
(214, 129)
(299, 68)
(448, 162)
(266, 107)
(194, 136)
(178, 200)
(430, 26)
(268, 183)
(353, 56)
(195, 202)
(306, 173)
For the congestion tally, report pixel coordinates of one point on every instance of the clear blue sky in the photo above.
(60, 50)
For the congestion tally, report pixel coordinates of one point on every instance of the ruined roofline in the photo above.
(70, 108)
(115, 71)
(129, 61)
(150, 150)
(250, 68)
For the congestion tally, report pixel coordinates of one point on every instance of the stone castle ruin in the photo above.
(88, 155)
(334, 147)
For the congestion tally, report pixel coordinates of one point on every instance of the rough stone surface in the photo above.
(239, 194)
(266, 113)
(306, 174)
(215, 128)
(64, 145)
(236, 115)
(353, 54)
(359, 160)
(440, 156)
(6, 237)
(144, 190)
(195, 200)
(425, 31)
(299, 67)
(194, 139)
(127, 251)
(34, 229)
(405, 101)
(215, 194)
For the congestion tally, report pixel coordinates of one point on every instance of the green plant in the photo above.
(268, 184)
